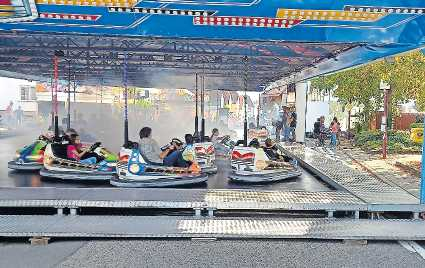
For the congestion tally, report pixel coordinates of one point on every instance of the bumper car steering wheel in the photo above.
(94, 146)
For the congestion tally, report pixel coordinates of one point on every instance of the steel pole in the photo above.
(196, 106)
(53, 100)
(384, 123)
(56, 74)
(68, 123)
(258, 110)
(75, 89)
(203, 108)
(217, 104)
(245, 121)
(422, 190)
(125, 101)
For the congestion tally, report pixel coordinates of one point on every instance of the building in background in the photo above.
(28, 102)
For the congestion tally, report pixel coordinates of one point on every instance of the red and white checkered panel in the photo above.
(245, 21)
(62, 16)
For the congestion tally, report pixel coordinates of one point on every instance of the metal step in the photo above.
(192, 227)
(179, 199)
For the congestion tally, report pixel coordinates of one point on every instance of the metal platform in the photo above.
(378, 194)
(179, 199)
(190, 227)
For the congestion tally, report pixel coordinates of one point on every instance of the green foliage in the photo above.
(417, 125)
(360, 86)
(143, 103)
(398, 142)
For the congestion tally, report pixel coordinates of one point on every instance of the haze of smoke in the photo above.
(171, 81)
(105, 122)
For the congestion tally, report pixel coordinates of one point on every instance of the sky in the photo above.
(9, 90)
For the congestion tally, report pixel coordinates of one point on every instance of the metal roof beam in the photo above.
(51, 43)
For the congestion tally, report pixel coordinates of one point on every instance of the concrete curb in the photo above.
(407, 168)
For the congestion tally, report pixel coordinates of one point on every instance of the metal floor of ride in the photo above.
(259, 210)
(378, 194)
(9, 178)
(306, 181)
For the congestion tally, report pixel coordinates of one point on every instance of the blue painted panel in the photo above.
(392, 28)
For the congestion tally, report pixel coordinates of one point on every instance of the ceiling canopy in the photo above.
(166, 42)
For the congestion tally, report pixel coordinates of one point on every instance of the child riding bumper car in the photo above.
(135, 170)
(100, 164)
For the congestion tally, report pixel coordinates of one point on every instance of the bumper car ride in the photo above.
(205, 156)
(138, 172)
(20, 165)
(57, 166)
(252, 165)
(30, 157)
(260, 134)
(224, 147)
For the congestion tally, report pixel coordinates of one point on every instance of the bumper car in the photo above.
(224, 146)
(205, 156)
(6, 131)
(259, 134)
(252, 165)
(57, 165)
(30, 157)
(135, 171)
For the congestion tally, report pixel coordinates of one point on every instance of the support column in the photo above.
(422, 190)
(300, 108)
(68, 123)
(125, 101)
(55, 88)
(245, 100)
(196, 106)
(75, 99)
(203, 107)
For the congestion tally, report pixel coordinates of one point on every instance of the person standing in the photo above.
(8, 113)
(292, 124)
(316, 129)
(334, 132)
(279, 124)
(286, 122)
(19, 115)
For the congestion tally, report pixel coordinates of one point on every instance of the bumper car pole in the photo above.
(75, 89)
(245, 122)
(68, 123)
(52, 112)
(203, 106)
(196, 106)
(258, 110)
(55, 87)
(125, 100)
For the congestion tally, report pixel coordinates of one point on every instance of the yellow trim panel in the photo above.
(328, 15)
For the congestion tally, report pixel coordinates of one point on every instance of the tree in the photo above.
(353, 87)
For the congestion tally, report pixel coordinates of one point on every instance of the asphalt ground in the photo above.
(220, 253)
